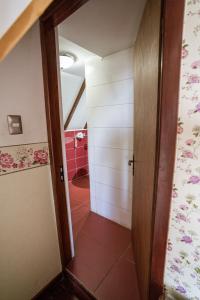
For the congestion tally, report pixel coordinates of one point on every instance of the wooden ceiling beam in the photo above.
(22, 24)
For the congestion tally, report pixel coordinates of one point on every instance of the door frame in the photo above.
(168, 92)
(172, 19)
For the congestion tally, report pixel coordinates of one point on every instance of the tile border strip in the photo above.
(23, 157)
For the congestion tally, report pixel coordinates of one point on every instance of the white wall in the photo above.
(9, 11)
(29, 252)
(70, 86)
(21, 92)
(109, 90)
(80, 115)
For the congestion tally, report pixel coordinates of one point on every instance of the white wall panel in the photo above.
(112, 158)
(115, 196)
(119, 92)
(113, 177)
(112, 116)
(112, 137)
(114, 213)
(115, 67)
(109, 83)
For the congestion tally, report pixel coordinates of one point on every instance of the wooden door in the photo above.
(146, 80)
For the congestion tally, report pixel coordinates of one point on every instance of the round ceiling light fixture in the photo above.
(66, 60)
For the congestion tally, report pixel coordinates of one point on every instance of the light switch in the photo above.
(14, 124)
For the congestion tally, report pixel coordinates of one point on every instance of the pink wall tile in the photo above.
(81, 151)
(81, 143)
(81, 161)
(77, 157)
(69, 133)
(70, 153)
(69, 143)
(71, 164)
(71, 174)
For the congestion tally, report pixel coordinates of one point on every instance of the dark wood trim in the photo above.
(76, 102)
(57, 13)
(54, 137)
(49, 286)
(59, 10)
(171, 46)
(78, 288)
(72, 283)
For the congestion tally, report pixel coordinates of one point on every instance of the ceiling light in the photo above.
(67, 60)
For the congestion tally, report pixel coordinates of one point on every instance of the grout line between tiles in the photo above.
(119, 170)
(111, 268)
(111, 105)
(110, 82)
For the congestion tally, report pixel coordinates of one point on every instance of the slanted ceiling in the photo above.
(17, 21)
(104, 26)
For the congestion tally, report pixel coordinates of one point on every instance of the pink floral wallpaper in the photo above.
(182, 272)
(22, 157)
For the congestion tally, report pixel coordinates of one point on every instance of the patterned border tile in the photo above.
(23, 157)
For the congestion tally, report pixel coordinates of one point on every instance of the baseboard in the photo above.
(156, 292)
(75, 285)
(78, 288)
(49, 286)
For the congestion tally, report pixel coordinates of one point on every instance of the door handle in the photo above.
(130, 162)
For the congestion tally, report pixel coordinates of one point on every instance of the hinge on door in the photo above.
(61, 174)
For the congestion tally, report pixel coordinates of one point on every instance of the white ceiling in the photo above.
(104, 26)
(82, 55)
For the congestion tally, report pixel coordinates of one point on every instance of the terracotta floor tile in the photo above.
(104, 259)
(121, 283)
(129, 253)
(79, 202)
(107, 233)
(88, 277)
(77, 227)
(97, 257)
(79, 213)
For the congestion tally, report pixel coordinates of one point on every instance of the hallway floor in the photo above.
(104, 260)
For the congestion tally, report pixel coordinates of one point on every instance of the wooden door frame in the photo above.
(168, 94)
(168, 91)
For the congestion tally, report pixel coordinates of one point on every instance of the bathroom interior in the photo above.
(96, 78)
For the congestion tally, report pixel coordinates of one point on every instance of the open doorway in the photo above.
(97, 105)
(152, 177)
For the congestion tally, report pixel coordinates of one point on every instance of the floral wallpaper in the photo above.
(22, 157)
(182, 272)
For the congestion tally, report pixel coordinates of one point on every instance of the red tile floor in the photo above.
(103, 260)
(79, 191)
